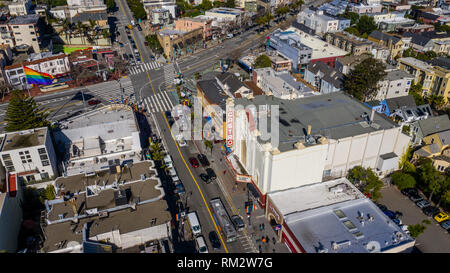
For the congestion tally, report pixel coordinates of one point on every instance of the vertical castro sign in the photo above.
(230, 122)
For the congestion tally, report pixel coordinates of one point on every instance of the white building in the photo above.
(396, 84)
(55, 65)
(317, 21)
(223, 13)
(170, 5)
(29, 154)
(318, 137)
(280, 84)
(25, 31)
(333, 217)
(325, 78)
(20, 7)
(93, 139)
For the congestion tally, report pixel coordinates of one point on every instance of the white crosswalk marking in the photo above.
(159, 102)
(111, 89)
(139, 68)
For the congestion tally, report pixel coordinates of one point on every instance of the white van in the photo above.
(201, 244)
(230, 35)
(194, 223)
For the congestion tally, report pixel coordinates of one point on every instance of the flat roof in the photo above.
(355, 226)
(396, 75)
(24, 139)
(313, 196)
(334, 116)
(320, 48)
(25, 19)
(124, 221)
(417, 63)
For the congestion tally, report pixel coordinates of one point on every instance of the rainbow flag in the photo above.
(35, 77)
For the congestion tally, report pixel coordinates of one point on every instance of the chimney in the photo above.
(372, 115)
(309, 130)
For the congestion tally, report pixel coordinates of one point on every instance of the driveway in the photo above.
(435, 239)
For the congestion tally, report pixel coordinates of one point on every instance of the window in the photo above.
(15, 26)
(44, 176)
(32, 32)
(6, 157)
(34, 39)
(11, 169)
(27, 152)
(44, 157)
(45, 163)
(42, 151)
(16, 33)
(30, 27)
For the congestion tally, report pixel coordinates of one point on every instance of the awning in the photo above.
(253, 190)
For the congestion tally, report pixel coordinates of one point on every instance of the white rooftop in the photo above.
(313, 196)
(321, 49)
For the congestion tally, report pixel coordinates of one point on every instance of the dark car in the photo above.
(431, 210)
(139, 27)
(382, 207)
(194, 162)
(410, 191)
(390, 214)
(212, 175)
(205, 178)
(93, 102)
(152, 57)
(415, 197)
(168, 114)
(203, 160)
(146, 43)
(238, 223)
(214, 239)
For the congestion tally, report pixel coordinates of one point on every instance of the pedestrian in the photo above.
(267, 239)
(263, 239)
(262, 225)
(260, 249)
(274, 241)
(273, 250)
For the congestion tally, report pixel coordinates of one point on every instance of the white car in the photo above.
(405, 229)
(201, 244)
(173, 174)
(181, 141)
(229, 35)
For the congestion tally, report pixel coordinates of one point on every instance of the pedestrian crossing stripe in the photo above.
(139, 68)
(158, 102)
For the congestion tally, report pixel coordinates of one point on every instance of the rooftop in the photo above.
(376, 34)
(416, 63)
(398, 102)
(396, 75)
(352, 38)
(327, 73)
(213, 92)
(334, 116)
(25, 19)
(24, 139)
(321, 49)
(352, 59)
(434, 124)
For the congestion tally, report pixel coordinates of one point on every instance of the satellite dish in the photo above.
(373, 247)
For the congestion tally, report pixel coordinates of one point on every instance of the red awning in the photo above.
(12, 185)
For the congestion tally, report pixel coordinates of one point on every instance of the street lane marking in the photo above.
(176, 144)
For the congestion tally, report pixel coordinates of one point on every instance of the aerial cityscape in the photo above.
(227, 126)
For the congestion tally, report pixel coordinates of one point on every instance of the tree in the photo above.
(50, 192)
(209, 145)
(353, 16)
(366, 24)
(206, 5)
(23, 113)
(436, 101)
(197, 76)
(262, 61)
(362, 81)
(430, 177)
(403, 180)
(110, 4)
(416, 230)
(366, 181)
(352, 30)
(230, 4)
(356, 174)
(416, 91)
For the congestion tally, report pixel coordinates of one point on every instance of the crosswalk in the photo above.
(112, 89)
(159, 102)
(169, 75)
(247, 243)
(144, 67)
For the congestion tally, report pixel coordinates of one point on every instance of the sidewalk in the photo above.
(236, 198)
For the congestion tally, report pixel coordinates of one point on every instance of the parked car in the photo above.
(430, 211)
(139, 27)
(152, 57)
(181, 141)
(410, 191)
(205, 178)
(93, 102)
(390, 214)
(405, 228)
(201, 244)
(446, 225)
(203, 160)
(229, 35)
(415, 198)
(146, 43)
(441, 216)
(212, 175)
(423, 204)
(382, 207)
(194, 162)
(238, 223)
(397, 221)
(179, 188)
(214, 239)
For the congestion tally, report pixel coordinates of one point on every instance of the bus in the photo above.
(223, 220)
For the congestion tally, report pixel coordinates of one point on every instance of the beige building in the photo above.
(177, 42)
(189, 24)
(25, 30)
(19, 7)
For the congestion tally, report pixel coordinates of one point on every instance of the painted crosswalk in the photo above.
(111, 90)
(247, 243)
(169, 75)
(159, 102)
(139, 68)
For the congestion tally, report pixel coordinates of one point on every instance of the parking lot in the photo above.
(435, 239)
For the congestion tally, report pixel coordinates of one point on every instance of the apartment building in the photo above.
(159, 17)
(20, 7)
(317, 21)
(177, 42)
(231, 14)
(325, 78)
(395, 44)
(55, 65)
(29, 154)
(395, 84)
(347, 63)
(364, 9)
(288, 43)
(170, 5)
(25, 30)
(188, 24)
(349, 43)
(423, 73)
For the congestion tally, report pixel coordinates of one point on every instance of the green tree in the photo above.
(409, 53)
(353, 16)
(366, 24)
(230, 4)
(436, 101)
(416, 92)
(49, 193)
(23, 113)
(110, 4)
(206, 5)
(352, 30)
(366, 181)
(403, 180)
(356, 174)
(362, 81)
(262, 61)
(430, 177)
(416, 230)
(209, 145)
(197, 76)
(153, 43)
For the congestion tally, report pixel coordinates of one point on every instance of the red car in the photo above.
(93, 102)
(194, 162)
